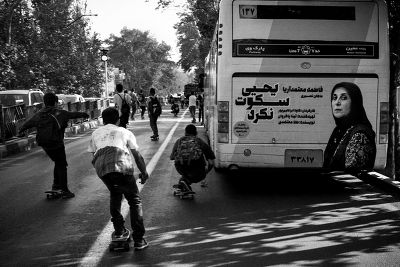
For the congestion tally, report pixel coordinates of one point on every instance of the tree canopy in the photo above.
(144, 60)
(46, 44)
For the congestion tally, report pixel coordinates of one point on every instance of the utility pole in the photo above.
(104, 58)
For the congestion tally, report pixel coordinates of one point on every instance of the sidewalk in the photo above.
(18, 145)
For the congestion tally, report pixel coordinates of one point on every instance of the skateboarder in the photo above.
(175, 109)
(123, 102)
(114, 150)
(193, 158)
(142, 103)
(50, 123)
(154, 109)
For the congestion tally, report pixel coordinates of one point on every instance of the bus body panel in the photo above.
(275, 140)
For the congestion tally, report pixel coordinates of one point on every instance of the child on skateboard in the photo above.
(50, 123)
(193, 158)
(114, 149)
(175, 109)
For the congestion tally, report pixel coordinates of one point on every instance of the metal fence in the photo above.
(12, 117)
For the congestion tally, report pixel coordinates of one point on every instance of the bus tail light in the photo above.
(384, 123)
(223, 121)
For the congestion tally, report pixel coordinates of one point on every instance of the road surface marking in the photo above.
(99, 247)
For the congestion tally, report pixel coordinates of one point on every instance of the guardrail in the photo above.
(12, 117)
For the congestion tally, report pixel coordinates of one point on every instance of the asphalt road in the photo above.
(248, 218)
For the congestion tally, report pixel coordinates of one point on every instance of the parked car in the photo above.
(29, 97)
(70, 98)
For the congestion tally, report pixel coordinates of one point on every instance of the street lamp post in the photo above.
(104, 58)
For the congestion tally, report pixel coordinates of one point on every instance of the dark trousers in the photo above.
(123, 120)
(57, 155)
(143, 110)
(133, 112)
(125, 185)
(193, 173)
(153, 124)
(201, 114)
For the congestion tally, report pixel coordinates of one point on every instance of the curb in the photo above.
(381, 181)
(19, 145)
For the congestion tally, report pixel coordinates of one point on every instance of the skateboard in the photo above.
(154, 138)
(183, 194)
(53, 194)
(120, 244)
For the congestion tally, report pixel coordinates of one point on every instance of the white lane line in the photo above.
(99, 247)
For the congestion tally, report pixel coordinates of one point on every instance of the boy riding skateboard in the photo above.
(114, 150)
(193, 158)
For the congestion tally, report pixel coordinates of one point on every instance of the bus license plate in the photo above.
(303, 158)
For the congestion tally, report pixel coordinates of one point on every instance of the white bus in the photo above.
(270, 71)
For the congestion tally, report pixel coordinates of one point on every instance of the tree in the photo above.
(393, 168)
(46, 44)
(195, 31)
(188, 41)
(141, 57)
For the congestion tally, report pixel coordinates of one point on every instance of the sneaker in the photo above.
(185, 186)
(142, 244)
(177, 186)
(121, 233)
(67, 194)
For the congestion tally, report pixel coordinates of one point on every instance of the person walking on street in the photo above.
(50, 123)
(154, 109)
(200, 102)
(122, 102)
(183, 101)
(193, 158)
(114, 149)
(142, 103)
(192, 106)
(134, 104)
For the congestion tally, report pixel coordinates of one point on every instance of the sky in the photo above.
(113, 16)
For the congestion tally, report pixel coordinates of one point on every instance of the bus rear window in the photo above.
(319, 25)
(297, 12)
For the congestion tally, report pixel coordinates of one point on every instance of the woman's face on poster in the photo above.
(341, 103)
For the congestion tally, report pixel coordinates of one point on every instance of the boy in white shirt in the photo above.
(192, 106)
(114, 149)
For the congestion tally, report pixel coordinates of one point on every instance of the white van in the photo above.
(15, 97)
(70, 98)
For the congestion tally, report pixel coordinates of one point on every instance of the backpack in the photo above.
(157, 110)
(49, 132)
(188, 149)
(125, 108)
